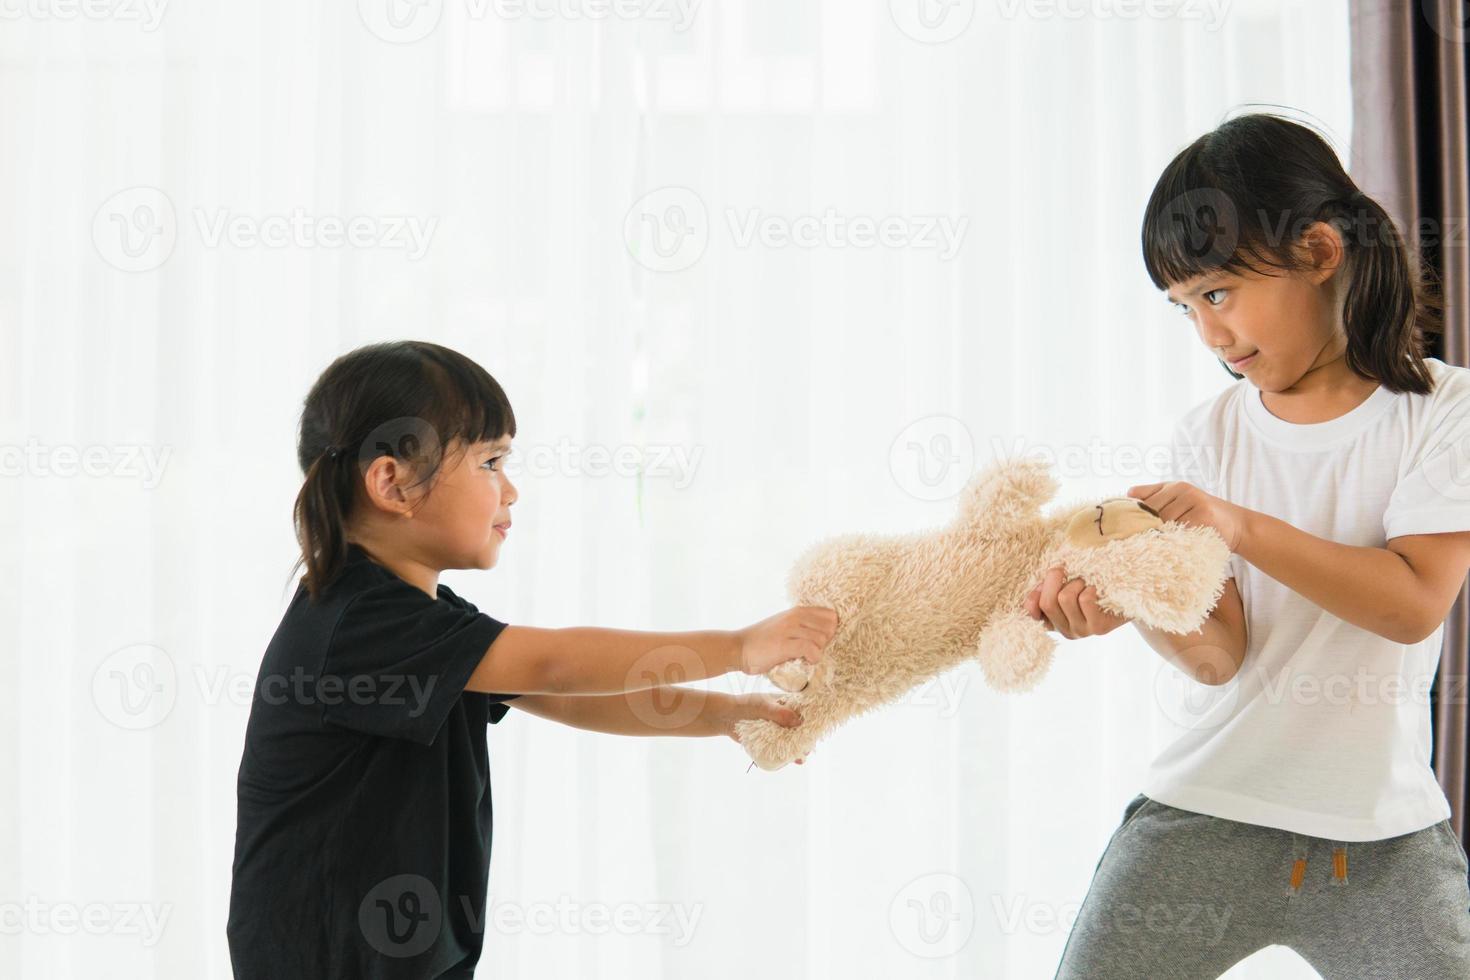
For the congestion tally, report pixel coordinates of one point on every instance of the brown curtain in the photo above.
(1409, 123)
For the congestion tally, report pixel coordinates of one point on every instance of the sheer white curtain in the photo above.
(752, 273)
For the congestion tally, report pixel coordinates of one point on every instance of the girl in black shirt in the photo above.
(362, 843)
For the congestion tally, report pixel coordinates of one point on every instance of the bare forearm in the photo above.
(684, 711)
(1372, 588)
(590, 660)
(585, 660)
(1207, 655)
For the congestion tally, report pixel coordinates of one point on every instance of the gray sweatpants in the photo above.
(1179, 895)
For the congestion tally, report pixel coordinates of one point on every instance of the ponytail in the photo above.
(320, 518)
(1390, 307)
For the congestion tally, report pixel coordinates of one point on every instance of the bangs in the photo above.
(469, 405)
(1193, 226)
(1173, 259)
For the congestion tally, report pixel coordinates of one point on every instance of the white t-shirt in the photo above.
(1325, 730)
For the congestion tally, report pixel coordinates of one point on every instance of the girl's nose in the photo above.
(1214, 335)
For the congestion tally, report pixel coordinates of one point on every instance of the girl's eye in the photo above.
(1184, 307)
(490, 463)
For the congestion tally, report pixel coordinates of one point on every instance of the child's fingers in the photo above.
(1146, 490)
(801, 648)
(823, 628)
(812, 644)
(773, 707)
(1160, 497)
(816, 634)
(1067, 599)
(1051, 587)
(819, 618)
(1033, 608)
(1097, 620)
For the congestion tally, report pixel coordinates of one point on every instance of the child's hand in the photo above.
(1188, 504)
(745, 707)
(1070, 608)
(800, 632)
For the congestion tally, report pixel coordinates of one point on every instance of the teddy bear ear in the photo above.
(1009, 489)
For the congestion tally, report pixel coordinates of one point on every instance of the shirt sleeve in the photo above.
(399, 660)
(496, 707)
(1433, 495)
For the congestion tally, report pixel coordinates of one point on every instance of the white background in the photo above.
(809, 388)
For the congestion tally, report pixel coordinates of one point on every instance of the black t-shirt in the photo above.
(362, 842)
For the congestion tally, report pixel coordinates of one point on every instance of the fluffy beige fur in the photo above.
(912, 606)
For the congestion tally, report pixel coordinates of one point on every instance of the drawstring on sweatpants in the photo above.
(1339, 865)
(1299, 864)
(1298, 872)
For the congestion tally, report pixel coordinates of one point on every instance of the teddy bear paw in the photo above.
(792, 676)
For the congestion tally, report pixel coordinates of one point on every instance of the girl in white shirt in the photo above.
(1334, 469)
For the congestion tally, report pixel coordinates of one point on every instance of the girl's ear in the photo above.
(384, 482)
(1322, 248)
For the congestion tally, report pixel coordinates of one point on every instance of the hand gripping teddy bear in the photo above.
(912, 606)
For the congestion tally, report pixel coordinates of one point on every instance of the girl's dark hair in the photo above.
(407, 399)
(1241, 196)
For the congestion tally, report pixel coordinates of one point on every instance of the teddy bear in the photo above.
(912, 606)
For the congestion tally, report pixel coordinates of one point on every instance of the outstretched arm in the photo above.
(673, 710)
(588, 660)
